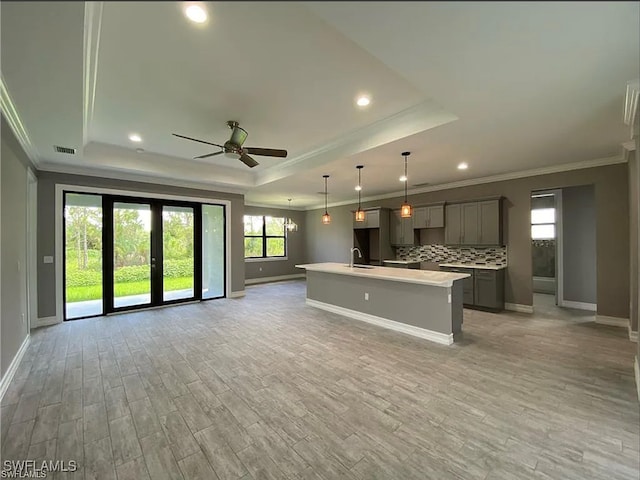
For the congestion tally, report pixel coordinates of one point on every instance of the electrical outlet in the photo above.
(22, 318)
(366, 295)
(260, 269)
(449, 298)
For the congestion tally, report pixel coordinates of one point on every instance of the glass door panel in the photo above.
(132, 259)
(213, 248)
(177, 253)
(83, 255)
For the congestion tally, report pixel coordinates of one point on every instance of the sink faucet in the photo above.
(354, 249)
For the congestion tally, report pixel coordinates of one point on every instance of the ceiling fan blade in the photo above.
(248, 161)
(209, 155)
(196, 140)
(267, 152)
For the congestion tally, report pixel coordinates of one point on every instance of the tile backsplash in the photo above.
(448, 254)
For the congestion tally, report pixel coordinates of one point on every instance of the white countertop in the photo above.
(424, 277)
(402, 262)
(474, 265)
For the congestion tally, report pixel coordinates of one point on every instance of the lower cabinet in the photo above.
(484, 288)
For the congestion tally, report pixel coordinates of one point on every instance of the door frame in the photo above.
(60, 189)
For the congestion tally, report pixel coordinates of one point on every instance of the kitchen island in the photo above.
(422, 303)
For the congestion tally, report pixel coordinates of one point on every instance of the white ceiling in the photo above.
(503, 86)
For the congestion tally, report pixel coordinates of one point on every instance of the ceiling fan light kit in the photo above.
(233, 148)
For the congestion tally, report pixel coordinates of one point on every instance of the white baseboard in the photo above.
(633, 336)
(279, 278)
(636, 368)
(592, 307)
(443, 338)
(11, 371)
(517, 307)
(46, 321)
(238, 294)
(612, 321)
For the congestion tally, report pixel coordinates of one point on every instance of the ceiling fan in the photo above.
(233, 148)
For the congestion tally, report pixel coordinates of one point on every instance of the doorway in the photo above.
(126, 253)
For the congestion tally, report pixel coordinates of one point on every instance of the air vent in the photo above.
(59, 149)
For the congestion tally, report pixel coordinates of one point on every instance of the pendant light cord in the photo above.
(407, 179)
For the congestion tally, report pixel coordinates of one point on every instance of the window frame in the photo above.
(264, 238)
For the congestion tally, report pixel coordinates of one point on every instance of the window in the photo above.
(264, 237)
(543, 223)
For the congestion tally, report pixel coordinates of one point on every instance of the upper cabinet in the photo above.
(474, 223)
(430, 216)
(371, 219)
(401, 229)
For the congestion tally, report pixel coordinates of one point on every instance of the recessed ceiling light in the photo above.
(196, 13)
(134, 137)
(363, 101)
(358, 188)
(463, 166)
(403, 178)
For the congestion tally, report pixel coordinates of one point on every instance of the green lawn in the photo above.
(94, 292)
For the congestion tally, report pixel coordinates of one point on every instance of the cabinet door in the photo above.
(452, 230)
(470, 223)
(408, 237)
(435, 216)
(373, 219)
(485, 288)
(419, 217)
(489, 221)
(395, 227)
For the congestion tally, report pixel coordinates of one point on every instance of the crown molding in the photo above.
(631, 106)
(133, 177)
(598, 162)
(91, 46)
(10, 112)
(415, 119)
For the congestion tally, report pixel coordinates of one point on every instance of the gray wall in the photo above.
(46, 226)
(13, 241)
(295, 246)
(332, 242)
(634, 246)
(579, 243)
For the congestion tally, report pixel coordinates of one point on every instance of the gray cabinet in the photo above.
(488, 291)
(453, 227)
(430, 216)
(467, 283)
(401, 229)
(489, 222)
(474, 223)
(483, 289)
(469, 224)
(371, 219)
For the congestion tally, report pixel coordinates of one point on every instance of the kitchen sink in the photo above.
(360, 266)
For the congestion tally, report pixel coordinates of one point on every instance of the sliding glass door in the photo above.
(132, 259)
(125, 253)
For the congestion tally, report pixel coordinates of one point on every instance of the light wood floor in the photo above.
(265, 387)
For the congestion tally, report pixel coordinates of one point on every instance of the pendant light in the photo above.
(326, 218)
(290, 225)
(405, 209)
(359, 213)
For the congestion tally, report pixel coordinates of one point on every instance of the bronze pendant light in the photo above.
(405, 208)
(360, 215)
(326, 218)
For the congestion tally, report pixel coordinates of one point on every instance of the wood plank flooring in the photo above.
(265, 387)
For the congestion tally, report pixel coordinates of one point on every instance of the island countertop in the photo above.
(424, 277)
